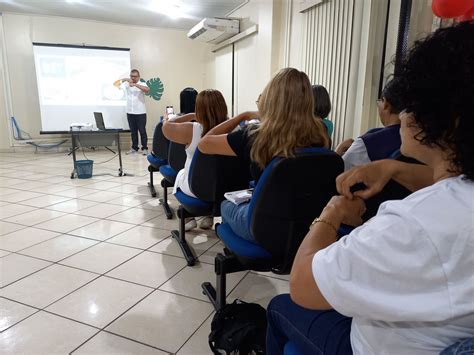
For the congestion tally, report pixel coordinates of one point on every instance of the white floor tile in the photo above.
(71, 206)
(46, 286)
(34, 217)
(12, 312)
(188, 281)
(105, 343)
(102, 196)
(75, 192)
(161, 221)
(45, 200)
(135, 215)
(102, 210)
(19, 196)
(25, 238)
(100, 302)
(198, 344)
(6, 227)
(101, 257)
(102, 229)
(66, 223)
(10, 210)
(14, 267)
(154, 320)
(131, 200)
(149, 269)
(259, 289)
(44, 333)
(58, 248)
(4, 253)
(140, 237)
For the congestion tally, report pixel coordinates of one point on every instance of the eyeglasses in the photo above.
(258, 100)
(134, 76)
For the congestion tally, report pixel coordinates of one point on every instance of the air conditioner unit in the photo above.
(214, 30)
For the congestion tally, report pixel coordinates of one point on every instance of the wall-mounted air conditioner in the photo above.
(214, 30)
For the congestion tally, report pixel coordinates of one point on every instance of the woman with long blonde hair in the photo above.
(285, 109)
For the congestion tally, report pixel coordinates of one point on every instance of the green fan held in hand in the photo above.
(156, 88)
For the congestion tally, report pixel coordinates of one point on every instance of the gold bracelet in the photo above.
(317, 219)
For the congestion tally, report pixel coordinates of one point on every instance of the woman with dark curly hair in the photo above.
(402, 283)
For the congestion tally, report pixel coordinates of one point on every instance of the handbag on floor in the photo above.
(239, 328)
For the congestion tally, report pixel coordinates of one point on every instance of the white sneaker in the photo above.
(131, 152)
(145, 152)
(206, 223)
(190, 224)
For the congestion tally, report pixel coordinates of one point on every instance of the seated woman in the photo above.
(211, 109)
(287, 123)
(187, 101)
(402, 283)
(322, 106)
(377, 143)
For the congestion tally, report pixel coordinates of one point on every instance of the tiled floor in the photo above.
(88, 267)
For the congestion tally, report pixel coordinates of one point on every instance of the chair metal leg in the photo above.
(164, 200)
(223, 265)
(180, 237)
(151, 186)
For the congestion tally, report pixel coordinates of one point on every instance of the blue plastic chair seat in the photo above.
(239, 246)
(155, 161)
(291, 349)
(168, 172)
(190, 201)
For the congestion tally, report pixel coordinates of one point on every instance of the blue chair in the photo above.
(289, 195)
(210, 176)
(463, 347)
(159, 156)
(176, 161)
(25, 137)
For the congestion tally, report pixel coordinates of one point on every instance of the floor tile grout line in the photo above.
(197, 329)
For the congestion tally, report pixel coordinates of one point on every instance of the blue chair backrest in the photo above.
(290, 193)
(210, 176)
(463, 347)
(160, 142)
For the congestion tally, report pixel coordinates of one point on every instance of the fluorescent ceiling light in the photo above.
(167, 7)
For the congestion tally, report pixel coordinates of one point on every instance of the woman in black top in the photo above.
(285, 109)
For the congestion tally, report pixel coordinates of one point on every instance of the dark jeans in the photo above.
(138, 123)
(311, 332)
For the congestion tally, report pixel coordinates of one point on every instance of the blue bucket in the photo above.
(84, 168)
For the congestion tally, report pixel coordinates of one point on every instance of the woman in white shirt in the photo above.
(402, 283)
(211, 109)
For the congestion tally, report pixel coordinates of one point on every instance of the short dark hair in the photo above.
(322, 102)
(439, 79)
(135, 71)
(393, 93)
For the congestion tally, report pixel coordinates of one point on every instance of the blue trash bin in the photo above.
(84, 168)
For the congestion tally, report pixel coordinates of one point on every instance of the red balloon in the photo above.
(451, 8)
(467, 16)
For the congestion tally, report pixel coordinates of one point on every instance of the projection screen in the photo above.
(76, 81)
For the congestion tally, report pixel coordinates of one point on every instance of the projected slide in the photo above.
(75, 82)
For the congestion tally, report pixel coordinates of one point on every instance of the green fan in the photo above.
(156, 88)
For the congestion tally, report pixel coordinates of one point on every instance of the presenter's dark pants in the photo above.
(137, 123)
(292, 329)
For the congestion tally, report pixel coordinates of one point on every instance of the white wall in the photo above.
(168, 54)
(253, 66)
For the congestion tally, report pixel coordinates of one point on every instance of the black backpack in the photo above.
(239, 327)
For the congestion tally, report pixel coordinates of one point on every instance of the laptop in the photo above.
(99, 122)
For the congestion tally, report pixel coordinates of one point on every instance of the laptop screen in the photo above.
(99, 121)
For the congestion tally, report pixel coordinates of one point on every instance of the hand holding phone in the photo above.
(169, 110)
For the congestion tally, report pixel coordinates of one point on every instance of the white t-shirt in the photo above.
(135, 98)
(182, 181)
(356, 155)
(407, 275)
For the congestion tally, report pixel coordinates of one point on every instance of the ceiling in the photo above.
(176, 14)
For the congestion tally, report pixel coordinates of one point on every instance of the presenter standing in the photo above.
(136, 111)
